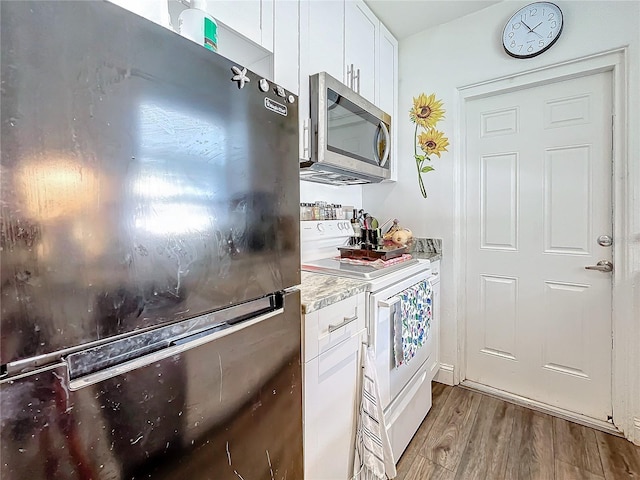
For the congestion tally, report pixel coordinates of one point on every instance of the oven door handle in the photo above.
(394, 348)
(388, 303)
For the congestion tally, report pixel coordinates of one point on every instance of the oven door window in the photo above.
(354, 132)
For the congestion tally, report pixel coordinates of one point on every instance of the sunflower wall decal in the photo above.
(426, 112)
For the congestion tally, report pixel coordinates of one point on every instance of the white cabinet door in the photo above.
(387, 72)
(360, 49)
(330, 411)
(387, 88)
(251, 18)
(285, 48)
(321, 50)
(324, 28)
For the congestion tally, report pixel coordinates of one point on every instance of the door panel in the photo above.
(539, 195)
(499, 201)
(499, 294)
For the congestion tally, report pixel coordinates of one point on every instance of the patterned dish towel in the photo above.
(411, 325)
(374, 457)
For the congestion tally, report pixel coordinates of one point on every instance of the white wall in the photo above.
(343, 195)
(467, 51)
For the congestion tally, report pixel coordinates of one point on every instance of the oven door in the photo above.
(384, 305)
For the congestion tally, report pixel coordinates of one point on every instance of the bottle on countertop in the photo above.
(197, 25)
(355, 224)
(316, 211)
(306, 211)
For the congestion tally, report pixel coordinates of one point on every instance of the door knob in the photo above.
(601, 266)
(605, 241)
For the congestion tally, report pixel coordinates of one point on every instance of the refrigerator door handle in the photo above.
(176, 347)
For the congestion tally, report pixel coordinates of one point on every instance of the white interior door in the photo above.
(539, 196)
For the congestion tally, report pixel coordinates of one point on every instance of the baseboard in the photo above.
(543, 407)
(445, 374)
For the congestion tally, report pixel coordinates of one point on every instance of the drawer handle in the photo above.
(347, 320)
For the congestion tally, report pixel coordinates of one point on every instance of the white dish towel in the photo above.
(374, 458)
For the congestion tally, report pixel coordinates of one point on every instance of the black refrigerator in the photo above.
(149, 233)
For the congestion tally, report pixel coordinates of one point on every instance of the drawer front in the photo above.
(333, 324)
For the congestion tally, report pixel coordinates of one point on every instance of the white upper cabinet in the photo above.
(387, 87)
(285, 45)
(346, 40)
(387, 72)
(321, 41)
(252, 19)
(322, 38)
(360, 48)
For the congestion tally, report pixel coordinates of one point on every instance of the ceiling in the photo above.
(406, 17)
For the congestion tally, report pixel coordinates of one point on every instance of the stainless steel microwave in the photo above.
(350, 136)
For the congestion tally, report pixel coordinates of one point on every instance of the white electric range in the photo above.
(405, 391)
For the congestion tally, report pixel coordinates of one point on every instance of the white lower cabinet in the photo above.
(332, 370)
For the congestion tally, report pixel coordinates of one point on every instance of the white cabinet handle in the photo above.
(347, 320)
(306, 138)
(357, 79)
(349, 81)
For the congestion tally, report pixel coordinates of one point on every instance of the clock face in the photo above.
(532, 30)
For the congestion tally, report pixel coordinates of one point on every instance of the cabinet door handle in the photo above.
(355, 82)
(349, 81)
(347, 320)
(306, 138)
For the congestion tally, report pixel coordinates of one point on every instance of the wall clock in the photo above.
(532, 30)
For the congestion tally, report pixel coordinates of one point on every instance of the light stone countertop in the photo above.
(432, 256)
(319, 291)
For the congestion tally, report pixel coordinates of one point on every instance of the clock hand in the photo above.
(530, 29)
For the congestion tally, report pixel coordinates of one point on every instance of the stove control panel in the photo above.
(314, 230)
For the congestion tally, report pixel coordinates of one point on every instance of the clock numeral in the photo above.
(533, 12)
(550, 35)
(511, 34)
(551, 15)
(530, 49)
(512, 44)
(553, 24)
(515, 26)
(541, 44)
(523, 17)
(519, 48)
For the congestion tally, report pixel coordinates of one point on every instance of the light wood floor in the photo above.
(471, 436)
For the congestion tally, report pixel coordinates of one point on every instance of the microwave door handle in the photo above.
(385, 156)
